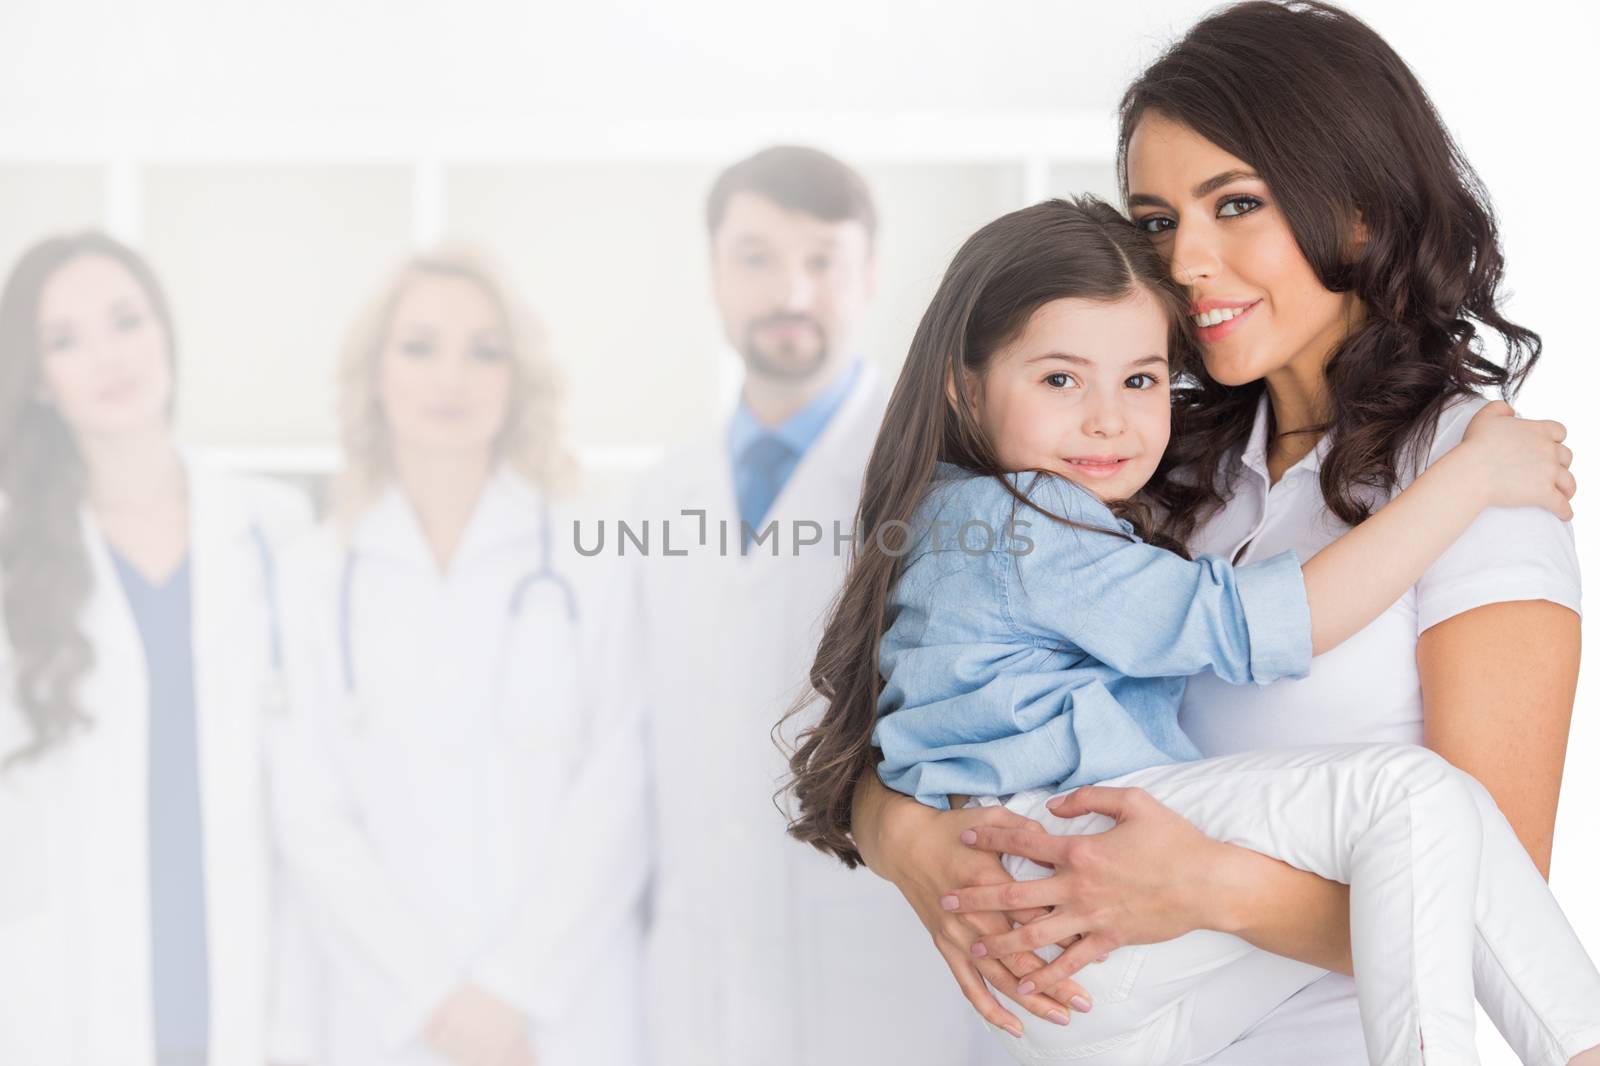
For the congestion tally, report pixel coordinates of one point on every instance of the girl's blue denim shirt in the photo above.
(1022, 653)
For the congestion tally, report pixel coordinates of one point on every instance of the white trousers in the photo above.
(1444, 902)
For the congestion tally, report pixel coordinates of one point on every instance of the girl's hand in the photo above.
(922, 854)
(1520, 462)
(1152, 877)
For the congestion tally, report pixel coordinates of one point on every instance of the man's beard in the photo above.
(785, 361)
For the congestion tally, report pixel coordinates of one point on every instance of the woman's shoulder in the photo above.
(1430, 442)
(1519, 553)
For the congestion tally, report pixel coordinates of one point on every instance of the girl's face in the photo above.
(104, 356)
(444, 375)
(1082, 391)
(1258, 303)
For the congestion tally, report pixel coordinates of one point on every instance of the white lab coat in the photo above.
(761, 949)
(75, 937)
(425, 816)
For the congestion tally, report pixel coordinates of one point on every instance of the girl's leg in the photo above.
(1407, 831)
(1399, 825)
(1172, 1003)
(1533, 977)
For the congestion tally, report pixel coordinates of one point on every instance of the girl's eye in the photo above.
(1151, 381)
(1240, 205)
(129, 323)
(57, 342)
(416, 349)
(1058, 380)
(1151, 225)
(488, 353)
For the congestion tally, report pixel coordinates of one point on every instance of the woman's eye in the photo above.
(1151, 225)
(1150, 381)
(488, 353)
(1234, 206)
(57, 342)
(416, 349)
(1058, 380)
(129, 323)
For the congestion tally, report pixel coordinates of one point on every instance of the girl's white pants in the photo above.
(1444, 902)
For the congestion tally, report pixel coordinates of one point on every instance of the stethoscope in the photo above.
(274, 693)
(544, 573)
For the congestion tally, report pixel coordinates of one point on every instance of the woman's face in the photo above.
(1258, 303)
(444, 375)
(104, 354)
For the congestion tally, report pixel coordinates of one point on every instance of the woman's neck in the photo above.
(443, 489)
(1297, 405)
(139, 496)
(133, 471)
(1298, 393)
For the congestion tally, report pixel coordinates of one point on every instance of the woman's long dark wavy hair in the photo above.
(1342, 133)
(1010, 268)
(45, 576)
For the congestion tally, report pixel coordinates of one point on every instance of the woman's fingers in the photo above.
(1003, 972)
(977, 992)
(996, 817)
(1025, 967)
(1039, 1004)
(1041, 847)
(1056, 976)
(1096, 799)
(1052, 929)
(1035, 896)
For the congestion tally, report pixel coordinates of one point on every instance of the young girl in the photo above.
(1004, 632)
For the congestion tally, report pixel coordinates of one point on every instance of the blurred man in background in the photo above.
(760, 949)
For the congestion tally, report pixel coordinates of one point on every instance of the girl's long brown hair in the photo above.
(1055, 250)
(1341, 132)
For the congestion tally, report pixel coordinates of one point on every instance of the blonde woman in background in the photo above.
(453, 723)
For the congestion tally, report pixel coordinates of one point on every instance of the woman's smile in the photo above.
(1215, 320)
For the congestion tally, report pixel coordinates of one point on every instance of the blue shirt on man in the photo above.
(765, 457)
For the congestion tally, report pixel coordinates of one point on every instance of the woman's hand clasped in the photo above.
(932, 861)
(1149, 878)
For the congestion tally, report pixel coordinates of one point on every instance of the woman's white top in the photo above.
(458, 796)
(1367, 689)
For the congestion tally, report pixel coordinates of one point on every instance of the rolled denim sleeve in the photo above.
(1148, 612)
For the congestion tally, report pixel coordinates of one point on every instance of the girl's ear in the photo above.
(969, 380)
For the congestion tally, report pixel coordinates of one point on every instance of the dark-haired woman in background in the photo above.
(1342, 262)
(136, 901)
